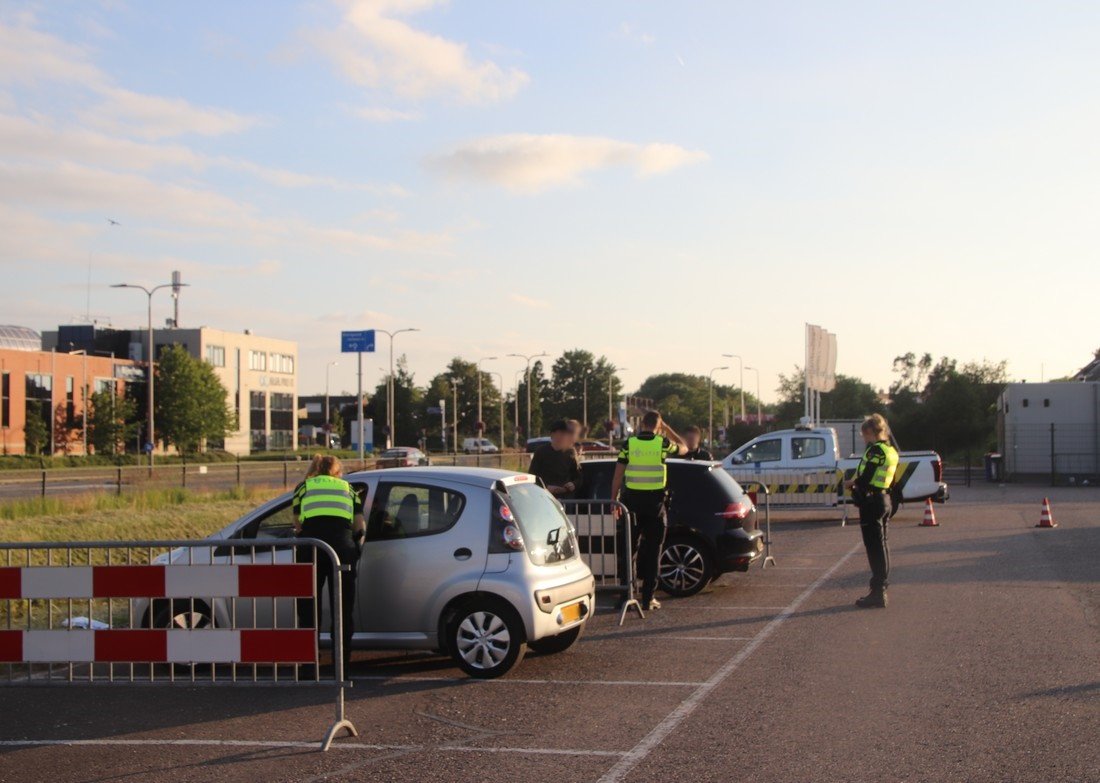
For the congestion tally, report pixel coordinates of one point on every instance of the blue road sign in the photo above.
(357, 342)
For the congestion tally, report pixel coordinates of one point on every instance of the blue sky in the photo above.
(660, 183)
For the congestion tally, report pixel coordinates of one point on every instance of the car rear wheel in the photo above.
(552, 645)
(486, 638)
(686, 568)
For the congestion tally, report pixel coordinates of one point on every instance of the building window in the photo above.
(281, 362)
(257, 403)
(105, 386)
(5, 399)
(257, 360)
(39, 399)
(282, 421)
(70, 403)
(1025, 402)
(215, 355)
(1046, 402)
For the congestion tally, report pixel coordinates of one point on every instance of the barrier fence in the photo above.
(170, 612)
(801, 489)
(606, 545)
(1064, 453)
(754, 490)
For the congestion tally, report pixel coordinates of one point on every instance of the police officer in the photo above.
(641, 469)
(871, 493)
(327, 508)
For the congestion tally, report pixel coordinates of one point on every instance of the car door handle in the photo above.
(463, 554)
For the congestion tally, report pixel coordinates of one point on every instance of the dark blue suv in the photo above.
(711, 522)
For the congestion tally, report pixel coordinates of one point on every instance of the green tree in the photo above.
(190, 401)
(685, 399)
(410, 416)
(571, 374)
(36, 435)
(540, 390)
(440, 388)
(852, 398)
(112, 421)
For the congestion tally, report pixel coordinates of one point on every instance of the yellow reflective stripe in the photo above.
(645, 468)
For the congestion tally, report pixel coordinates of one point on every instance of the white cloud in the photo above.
(384, 114)
(156, 117)
(631, 32)
(375, 48)
(528, 301)
(531, 163)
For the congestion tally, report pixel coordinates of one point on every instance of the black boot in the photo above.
(875, 599)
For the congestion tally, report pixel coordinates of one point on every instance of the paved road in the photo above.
(986, 667)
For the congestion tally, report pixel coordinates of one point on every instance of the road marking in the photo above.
(304, 745)
(726, 607)
(650, 742)
(510, 681)
(708, 638)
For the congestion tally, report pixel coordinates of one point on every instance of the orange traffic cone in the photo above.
(929, 515)
(1047, 518)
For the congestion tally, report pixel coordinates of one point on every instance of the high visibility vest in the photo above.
(883, 477)
(327, 496)
(645, 468)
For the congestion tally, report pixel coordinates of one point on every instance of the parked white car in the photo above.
(479, 446)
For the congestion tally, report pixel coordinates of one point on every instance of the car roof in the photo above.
(478, 477)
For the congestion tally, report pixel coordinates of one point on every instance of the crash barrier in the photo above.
(755, 489)
(607, 546)
(169, 612)
(823, 488)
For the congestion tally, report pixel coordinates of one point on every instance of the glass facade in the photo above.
(5, 399)
(257, 416)
(282, 421)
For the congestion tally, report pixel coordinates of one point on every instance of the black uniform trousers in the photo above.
(874, 522)
(649, 508)
(337, 534)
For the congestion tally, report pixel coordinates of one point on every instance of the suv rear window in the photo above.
(703, 486)
(547, 534)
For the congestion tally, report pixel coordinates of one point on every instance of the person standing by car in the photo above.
(693, 437)
(641, 470)
(556, 462)
(871, 493)
(327, 508)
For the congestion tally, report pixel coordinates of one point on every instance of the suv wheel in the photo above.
(486, 638)
(685, 568)
(551, 645)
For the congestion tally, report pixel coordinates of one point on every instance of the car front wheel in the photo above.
(685, 568)
(486, 638)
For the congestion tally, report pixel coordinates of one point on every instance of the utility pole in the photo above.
(527, 382)
(759, 415)
(741, 382)
(480, 420)
(328, 419)
(454, 412)
(391, 388)
(584, 402)
(499, 375)
(710, 425)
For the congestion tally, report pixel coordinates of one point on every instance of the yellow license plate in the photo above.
(571, 613)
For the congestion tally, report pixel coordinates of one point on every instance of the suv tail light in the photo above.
(738, 510)
(937, 469)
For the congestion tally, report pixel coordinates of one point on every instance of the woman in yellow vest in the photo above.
(641, 469)
(871, 493)
(327, 508)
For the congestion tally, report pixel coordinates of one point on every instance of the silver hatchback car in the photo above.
(477, 563)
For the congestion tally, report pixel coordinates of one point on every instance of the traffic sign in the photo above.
(357, 342)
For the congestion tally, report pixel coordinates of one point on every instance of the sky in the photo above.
(658, 183)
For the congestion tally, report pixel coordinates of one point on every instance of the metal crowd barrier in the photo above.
(797, 489)
(760, 487)
(607, 546)
(168, 612)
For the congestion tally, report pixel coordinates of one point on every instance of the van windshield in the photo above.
(546, 530)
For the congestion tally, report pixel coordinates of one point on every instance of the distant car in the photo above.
(592, 446)
(479, 446)
(402, 457)
(476, 563)
(711, 522)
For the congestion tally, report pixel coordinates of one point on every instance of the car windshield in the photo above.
(546, 529)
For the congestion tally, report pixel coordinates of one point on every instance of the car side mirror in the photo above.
(737, 459)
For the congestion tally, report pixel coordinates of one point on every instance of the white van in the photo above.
(479, 446)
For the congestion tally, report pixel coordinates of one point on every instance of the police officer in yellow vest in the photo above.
(871, 492)
(641, 469)
(327, 508)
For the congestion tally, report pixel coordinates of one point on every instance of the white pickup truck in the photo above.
(803, 466)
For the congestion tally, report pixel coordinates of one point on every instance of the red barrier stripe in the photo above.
(126, 646)
(128, 581)
(11, 582)
(11, 646)
(292, 646)
(275, 581)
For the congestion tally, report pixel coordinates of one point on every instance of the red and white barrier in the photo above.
(292, 580)
(159, 646)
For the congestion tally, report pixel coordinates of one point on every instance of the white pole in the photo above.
(359, 403)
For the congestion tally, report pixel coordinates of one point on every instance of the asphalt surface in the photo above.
(986, 667)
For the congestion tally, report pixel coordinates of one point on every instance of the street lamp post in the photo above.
(515, 407)
(501, 376)
(151, 433)
(741, 382)
(479, 419)
(710, 425)
(83, 399)
(527, 381)
(328, 419)
(455, 382)
(610, 398)
(759, 416)
(585, 401)
(391, 387)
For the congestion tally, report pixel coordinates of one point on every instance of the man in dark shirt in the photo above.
(556, 462)
(693, 437)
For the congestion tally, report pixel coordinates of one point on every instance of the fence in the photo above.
(1062, 453)
(754, 490)
(802, 489)
(164, 612)
(606, 545)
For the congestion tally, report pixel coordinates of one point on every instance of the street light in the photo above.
(610, 401)
(527, 382)
(710, 426)
(480, 420)
(515, 406)
(741, 369)
(328, 419)
(759, 417)
(455, 383)
(501, 376)
(391, 387)
(585, 400)
(149, 295)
